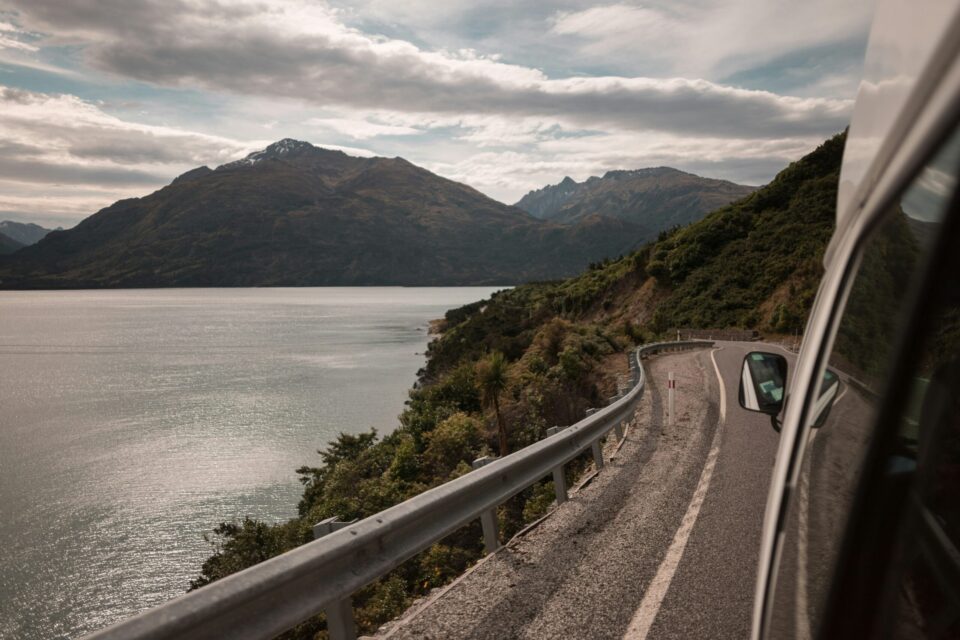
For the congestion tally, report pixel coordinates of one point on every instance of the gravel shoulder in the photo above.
(583, 571)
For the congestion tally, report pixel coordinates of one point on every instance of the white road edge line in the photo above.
(842, 393)
(657, 590)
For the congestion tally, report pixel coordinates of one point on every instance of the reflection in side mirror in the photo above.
(762, 382)
(828, 394)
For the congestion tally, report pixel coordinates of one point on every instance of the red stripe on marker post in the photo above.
(671, 385)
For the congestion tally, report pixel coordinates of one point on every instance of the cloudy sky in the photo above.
(108, 99)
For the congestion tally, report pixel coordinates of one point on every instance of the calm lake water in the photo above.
(131, 422)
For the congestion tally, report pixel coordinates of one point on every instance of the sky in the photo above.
(108, 99)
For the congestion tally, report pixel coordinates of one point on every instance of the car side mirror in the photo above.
(763, 381)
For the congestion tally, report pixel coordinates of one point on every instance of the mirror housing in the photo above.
(763, 382)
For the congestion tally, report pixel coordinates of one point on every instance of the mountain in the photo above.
(655, 199)
(8, 245)
(294, 214)
(547, 202)
(23, 233)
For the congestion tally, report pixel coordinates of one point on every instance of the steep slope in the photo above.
(26, 233)
(8, 245)
(294, 214)
(656, 199)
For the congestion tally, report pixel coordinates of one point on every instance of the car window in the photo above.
(924, 589)
(842, 421)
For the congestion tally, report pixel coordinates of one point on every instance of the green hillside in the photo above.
(755, 263)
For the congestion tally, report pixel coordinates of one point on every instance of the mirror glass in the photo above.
(762, 382)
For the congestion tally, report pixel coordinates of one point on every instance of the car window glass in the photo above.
(841, 421)
(925, 587)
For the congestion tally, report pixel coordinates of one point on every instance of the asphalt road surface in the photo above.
(662, 544)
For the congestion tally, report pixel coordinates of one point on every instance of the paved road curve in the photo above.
(711, 594)
(663, 544)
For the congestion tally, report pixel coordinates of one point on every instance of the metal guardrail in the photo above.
(269, 598)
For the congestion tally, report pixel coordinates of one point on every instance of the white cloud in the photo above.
(11, 37)
(507, 175)
(70, 157)
(712, 38)
(361, 128)
(298, 50)
(617, 26)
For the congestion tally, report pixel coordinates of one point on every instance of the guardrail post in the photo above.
(597, 454)
(488, 519)
(618, 429)
(328, 526)
(340, 624)
(559, 480)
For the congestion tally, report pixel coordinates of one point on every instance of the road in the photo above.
(662, 544)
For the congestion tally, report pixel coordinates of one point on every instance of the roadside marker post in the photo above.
(671, 392)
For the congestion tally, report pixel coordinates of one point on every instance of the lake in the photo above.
(134, 421)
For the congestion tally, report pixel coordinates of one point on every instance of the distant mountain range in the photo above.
(653, 199)
(16, 235)
(295, 214)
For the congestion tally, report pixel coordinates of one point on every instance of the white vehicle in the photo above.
(862, 525)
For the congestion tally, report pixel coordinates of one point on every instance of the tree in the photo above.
(492, 381)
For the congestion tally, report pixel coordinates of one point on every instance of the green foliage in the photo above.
(240, 545)
(492, 381)
(539, 503)
(492, 377)
(456, 441)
